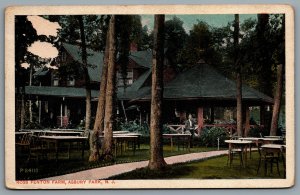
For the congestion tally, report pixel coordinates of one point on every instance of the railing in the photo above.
(230, 128)
(176, 128)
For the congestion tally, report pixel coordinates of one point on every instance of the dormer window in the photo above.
(128, 79)
(55, 81)
(70, 81)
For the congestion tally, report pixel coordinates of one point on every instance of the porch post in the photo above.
(200, 119)
(40, 110)
(262, 115)
(61, 113)
(212, 115)
(247, 121)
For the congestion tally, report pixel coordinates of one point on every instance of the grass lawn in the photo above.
(42, 168)
(214, 168)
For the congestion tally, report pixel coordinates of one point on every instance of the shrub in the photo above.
(256, 131)
(209, 136)
(33, 125)
(132, 126)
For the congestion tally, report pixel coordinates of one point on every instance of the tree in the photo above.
(99, 120)
(145, 41)
(263, 55)
(156, 148)
(25, 35)
(199, 45)
(86, 74)
(175, 37)
(278, 32)
(124, 26)
(277, 101)
(239, 112)
(109, 119)
(95, 27)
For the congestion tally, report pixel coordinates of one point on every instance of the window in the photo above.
(70, 81)
(55, 80)
(128, 79)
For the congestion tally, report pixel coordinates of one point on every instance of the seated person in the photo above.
(189, 125)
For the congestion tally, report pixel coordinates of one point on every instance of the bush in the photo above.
(132, 126)
(256, 131)
(33, 125)
(209, 136)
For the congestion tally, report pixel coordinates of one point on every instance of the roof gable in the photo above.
(142, 58)
(204, 81)
(94, 60)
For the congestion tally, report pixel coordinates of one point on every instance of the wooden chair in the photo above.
(36, 150)
(23, 145)
(283, 153)
(268, 157)
(184, 143)
(235, 152)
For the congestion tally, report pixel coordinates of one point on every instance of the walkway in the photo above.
(109, 171)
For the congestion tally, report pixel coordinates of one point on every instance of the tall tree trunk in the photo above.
(239, 112)
(18, 109)
(99, 121)
(30, 103)
(86, 75)
(156, 146)
(22, 126)
(264, 61)
(277, 101)
(109, 119)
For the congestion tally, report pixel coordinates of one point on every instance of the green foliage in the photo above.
(70, 69)
(34, 124)
(209, 136)
(25, 35)
(198, 45)
(175, 37)
(257, 132)
(133, 126)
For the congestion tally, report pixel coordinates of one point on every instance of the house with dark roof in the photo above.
(198, 90)
(62, 91)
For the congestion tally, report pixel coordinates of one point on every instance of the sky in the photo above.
(43, 49)
(214, 20)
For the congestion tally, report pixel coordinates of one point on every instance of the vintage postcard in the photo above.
(142, 97)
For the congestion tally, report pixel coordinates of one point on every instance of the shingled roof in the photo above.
(204, 82)
(143, 58)
(49, 91)
(137, 89)
(94, 60)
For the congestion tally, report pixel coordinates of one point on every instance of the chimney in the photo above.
(133, 46)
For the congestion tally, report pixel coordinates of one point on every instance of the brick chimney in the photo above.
(133, 46)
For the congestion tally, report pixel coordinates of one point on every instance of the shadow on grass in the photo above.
(48, 167)
(213, 168)
(168, 172)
